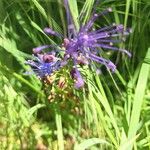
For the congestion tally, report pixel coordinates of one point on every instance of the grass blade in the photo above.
(90, 142)
(138, 98)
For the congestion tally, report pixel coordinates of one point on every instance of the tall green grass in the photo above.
(111, 112)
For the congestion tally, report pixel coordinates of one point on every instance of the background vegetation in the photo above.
(111, 112)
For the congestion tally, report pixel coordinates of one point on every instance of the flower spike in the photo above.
(80, 47)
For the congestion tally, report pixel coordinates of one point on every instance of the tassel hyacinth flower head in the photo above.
(82, 47)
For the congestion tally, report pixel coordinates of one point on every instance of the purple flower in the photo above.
(79, 82)
(82, 47)
(44, 65)
(40, 48)
(88, 42)
(51, 32)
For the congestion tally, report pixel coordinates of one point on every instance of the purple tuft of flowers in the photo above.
(82, 46)
(44, 64)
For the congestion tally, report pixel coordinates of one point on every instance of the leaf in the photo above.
(74, 12)
(90, 142)
(138, 98)
(32, 110)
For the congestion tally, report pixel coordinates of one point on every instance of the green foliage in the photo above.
(111, 112)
